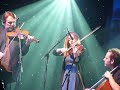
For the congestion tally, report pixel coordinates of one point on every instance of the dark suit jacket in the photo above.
(14, 63)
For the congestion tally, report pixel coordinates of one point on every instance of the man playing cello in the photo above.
(112, 60)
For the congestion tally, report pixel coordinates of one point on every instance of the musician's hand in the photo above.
(89, 89)
(1, 55)
(108, 75)
(62, 50)
(29, 39)
(75, 49)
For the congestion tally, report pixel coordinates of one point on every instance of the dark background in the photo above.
(96, 13)
(96, 9)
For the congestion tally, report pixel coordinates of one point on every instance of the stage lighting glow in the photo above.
(47, 21)
(64, 3)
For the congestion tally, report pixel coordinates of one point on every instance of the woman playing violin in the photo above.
(11, 52)
(71, 52)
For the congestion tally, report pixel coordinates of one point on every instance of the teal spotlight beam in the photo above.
(47, 21)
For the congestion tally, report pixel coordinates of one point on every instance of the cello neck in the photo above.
(98, 83)
(103, 78)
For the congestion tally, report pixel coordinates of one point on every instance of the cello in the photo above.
(103, 83)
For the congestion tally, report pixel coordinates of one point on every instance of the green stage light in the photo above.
(47, 21)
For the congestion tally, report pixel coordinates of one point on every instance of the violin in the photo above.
(79, 49)
(69, 50)
(21, 34)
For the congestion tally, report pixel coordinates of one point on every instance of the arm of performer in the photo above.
(89, 89)
(78, 50)
(26, 44)
(29, 40)
(59, 51)
(112, 82)
(1, 55)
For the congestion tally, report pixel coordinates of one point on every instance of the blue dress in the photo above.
(69, 77)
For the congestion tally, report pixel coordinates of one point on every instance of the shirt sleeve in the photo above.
(25, 48)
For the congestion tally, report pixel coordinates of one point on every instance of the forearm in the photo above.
(1, 55)
(59, 52)
(113, 84)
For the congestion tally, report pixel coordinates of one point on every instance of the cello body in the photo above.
(105, 85)
(102, 84)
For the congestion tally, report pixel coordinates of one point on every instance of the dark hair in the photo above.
(115, 55)
(6, 14)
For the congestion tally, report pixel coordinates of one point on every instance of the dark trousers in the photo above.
(1, 85)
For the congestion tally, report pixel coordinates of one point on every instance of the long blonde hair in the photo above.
(66, 42)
